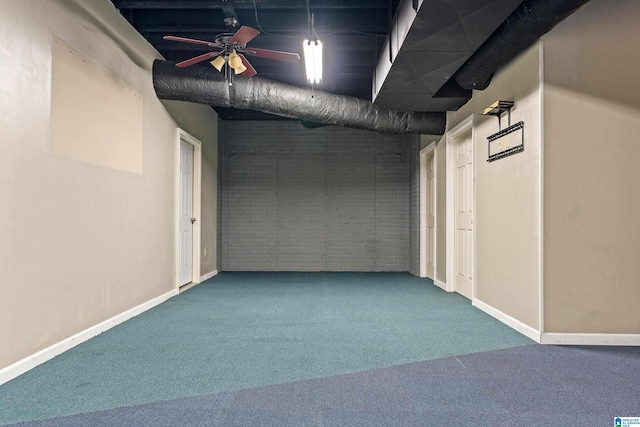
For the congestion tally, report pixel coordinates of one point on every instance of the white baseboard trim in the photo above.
(208, 276)
(525, 330)
(188, 286)
(20, 367)
(440, 284)
(555, 338)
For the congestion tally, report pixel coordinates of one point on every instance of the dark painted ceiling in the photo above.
(353, 32)
(443, 35)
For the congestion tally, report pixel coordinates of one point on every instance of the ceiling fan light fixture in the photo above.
(240, 69)
(234, 60)
(218, 62)
(223, 52)
(313, 60)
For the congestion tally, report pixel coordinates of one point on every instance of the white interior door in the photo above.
(185, 215)
(430, 218)
(463, 265)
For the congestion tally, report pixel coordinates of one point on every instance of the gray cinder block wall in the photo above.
(326, 199)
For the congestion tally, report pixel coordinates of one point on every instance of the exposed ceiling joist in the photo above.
(248, 4)
(357, 45)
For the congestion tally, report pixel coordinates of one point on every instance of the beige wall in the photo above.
(80, 242)
(592, 131)
(507, 223)
(202, 123)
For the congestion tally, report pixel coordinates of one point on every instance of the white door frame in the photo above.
(429, 149)
(451, 139)
(181, 135)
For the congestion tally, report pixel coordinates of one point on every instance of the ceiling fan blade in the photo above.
(250, 71)
(192, 41)
(244, 35)
(272, 54)
(197, 59)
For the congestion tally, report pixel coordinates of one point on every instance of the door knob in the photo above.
(193, 220)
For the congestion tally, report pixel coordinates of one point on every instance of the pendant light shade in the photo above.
(235, 62)
(240, 68)
(313, 60)
(218, 63)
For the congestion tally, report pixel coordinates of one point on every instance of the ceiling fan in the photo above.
(231, 48)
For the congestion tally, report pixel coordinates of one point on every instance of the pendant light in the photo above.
(312, 48)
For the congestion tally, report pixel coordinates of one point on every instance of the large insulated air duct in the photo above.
(526, 24)
(207, 86)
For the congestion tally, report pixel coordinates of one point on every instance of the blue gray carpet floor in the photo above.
(321, 349)
(532, 386)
